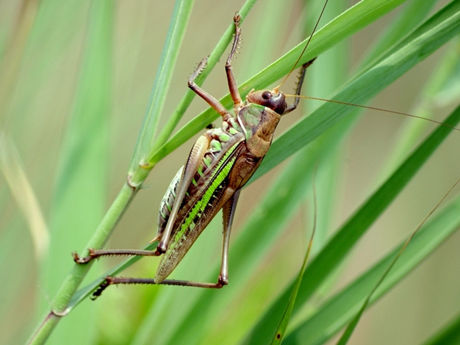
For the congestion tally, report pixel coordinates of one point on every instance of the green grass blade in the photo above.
(426, 105)
(177, 27)
(339, 246)
(341, 308)
(354, 322)
(414, 12)
(365, 86)
(341, 27)
(281, 330)
(448, 335)
(328, 73)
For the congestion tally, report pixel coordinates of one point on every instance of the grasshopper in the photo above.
(219, 164)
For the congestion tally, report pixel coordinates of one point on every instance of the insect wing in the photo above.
(205, 196)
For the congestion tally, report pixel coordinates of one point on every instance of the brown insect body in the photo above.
(252, 131)
(220, 163)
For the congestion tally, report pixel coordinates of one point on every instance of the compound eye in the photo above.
(266, 95)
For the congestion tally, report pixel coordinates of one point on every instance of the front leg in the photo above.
(210, 99)
(232, 85)
(298, 90)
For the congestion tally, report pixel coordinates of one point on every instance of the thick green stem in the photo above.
(73, 280)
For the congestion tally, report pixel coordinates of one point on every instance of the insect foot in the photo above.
(83, 260)
(100, 289)
(222, 281)
(236, 18)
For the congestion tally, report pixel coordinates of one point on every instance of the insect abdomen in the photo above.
(168, 201)
(197, 218)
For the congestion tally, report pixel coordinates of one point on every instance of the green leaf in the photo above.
(341, 308)
(146, 139)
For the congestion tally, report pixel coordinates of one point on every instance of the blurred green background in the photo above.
(71, 109)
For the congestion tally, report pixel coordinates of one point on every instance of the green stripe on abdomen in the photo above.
(200, 206)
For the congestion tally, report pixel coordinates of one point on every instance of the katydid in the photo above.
(219, 164)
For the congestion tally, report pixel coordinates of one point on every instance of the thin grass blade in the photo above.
(341, 308)
(353, 323)
(177, 27)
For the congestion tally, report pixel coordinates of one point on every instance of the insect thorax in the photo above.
(258, 124)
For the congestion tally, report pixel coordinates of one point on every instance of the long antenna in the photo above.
(373, 108)
(304, 48)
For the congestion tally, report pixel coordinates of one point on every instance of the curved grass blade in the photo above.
(341, 308)
(281, 331)
(352, 325)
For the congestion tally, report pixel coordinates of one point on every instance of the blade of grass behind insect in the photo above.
(413, 13)
(341, 27)
(339, 246)
(80, 188)
(366, 85)
(178, 24)
(425, 106)
(448, 334)
(259, 51)
(342, 307)
(346, 335)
